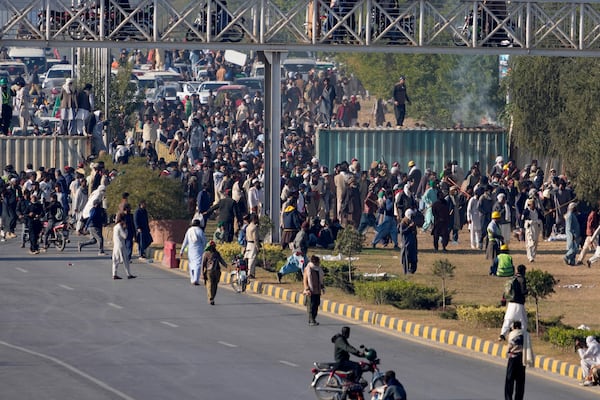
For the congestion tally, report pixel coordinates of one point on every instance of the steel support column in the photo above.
(272, 61)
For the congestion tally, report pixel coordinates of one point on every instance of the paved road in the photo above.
(68, 331)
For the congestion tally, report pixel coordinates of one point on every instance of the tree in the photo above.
(540, 285)
(444, 270)
(441, 87)
(349, 242)
(164, 196)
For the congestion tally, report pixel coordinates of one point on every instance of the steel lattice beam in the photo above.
(420, 26)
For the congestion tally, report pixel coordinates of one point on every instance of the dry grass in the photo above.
(473, 285)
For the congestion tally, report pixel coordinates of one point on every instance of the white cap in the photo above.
(499, 159)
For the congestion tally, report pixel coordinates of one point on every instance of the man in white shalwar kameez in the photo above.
(120, 253)
(194, 241)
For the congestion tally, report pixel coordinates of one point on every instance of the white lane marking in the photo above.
(227, 344)
(291, 364)
(66, 287)
(22, 270)
(70, 368)
(118, 307)
(169, 324)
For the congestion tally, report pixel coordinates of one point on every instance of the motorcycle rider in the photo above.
(55, 216)
(342, 352)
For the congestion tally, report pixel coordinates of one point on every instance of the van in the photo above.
(302, 66)
(29, 56)
(15, 69)
(258, 70)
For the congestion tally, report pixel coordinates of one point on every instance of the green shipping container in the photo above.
(427, 147)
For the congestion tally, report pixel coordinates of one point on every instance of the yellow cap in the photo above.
(496, 214)
(504, 247)
(411, 163)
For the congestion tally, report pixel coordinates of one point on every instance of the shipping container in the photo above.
(429, 148)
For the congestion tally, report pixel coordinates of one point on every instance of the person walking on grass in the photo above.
(211, 270)
(313, 288)
(120, 254)
(515, 309)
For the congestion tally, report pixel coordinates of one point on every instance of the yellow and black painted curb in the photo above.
(443, 336)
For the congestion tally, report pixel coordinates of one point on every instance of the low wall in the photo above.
(46, 151)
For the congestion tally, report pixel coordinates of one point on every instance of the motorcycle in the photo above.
(59, 235)
(239, 275)
(331, 384)
(220, 19)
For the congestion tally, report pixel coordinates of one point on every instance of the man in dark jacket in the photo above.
(228, 210)
(94, 225)
(342, 352)
(441, 221)
(400, 100)
(394, 389)
(142, 228)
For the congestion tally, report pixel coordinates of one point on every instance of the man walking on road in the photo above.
(94, 226)
(313, 288)
(211, 270)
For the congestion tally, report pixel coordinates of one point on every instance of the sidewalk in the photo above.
(442, 336)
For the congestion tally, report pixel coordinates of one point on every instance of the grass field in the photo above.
(473, 285)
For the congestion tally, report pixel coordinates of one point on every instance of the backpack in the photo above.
(509, 290)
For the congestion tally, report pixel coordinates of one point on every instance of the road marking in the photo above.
(118, 307)
(70, 368)
(22, 270)
(169, 324)
(66, 287)
(227, 344)
(290, 364)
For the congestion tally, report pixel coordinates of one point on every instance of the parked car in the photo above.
(56, 77)
(236, 93)
(167, 91)
(188, 88)
(253, 84)
(15, 69)
(205, 87)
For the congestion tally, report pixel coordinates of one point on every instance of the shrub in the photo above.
(485, 316)
(564, 336)
(270, 256)
(229, 250)
(401, 294)
(164, 196)
(337, 274)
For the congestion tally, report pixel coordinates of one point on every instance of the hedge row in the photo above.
(400, 293)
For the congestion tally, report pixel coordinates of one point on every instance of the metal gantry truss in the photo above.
(522, 26)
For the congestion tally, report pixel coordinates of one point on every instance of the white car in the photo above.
(56, 77)
(205, 87)
(188, 89)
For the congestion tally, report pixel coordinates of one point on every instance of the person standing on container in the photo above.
(68, 107)
(400, 100)
(327, 99)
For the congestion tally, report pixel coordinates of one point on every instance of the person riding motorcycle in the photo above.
(342, 352)
(55, 216)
